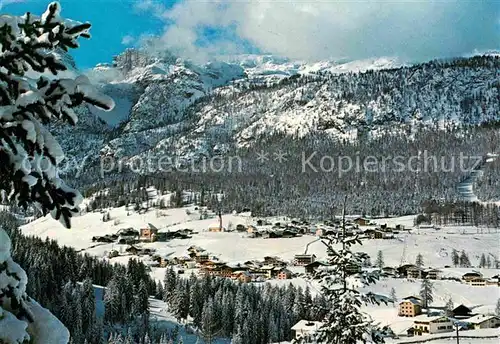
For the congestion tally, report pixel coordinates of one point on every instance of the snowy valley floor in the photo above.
(435, 246)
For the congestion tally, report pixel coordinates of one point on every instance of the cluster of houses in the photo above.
(460, 317)
(358, 226)
(293, 228)
(267, 230)
(250, 271)
(411, 271)
(476, 279)
(430, 323)
(130, 236)
(312, 266)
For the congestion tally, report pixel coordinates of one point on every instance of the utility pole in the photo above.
(458, 338)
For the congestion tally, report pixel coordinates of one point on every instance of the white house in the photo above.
(476, 282)
(432, 324)
(484, 321)
(306, 327)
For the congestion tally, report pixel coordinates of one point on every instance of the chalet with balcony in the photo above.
(134, 250)
(304, 259)
(433, 274)
(414, 272)
(403, 269)
(471, 276)
(244, 276)
(476, 282)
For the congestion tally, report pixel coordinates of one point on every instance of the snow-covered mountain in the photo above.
(166, 104)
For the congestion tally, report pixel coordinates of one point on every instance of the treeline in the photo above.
(247, 313)
(446, 108)
(486, 261)
(283, 188)
(79, 313)
(462, 213)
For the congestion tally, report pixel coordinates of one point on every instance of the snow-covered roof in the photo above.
(412, 300)
(412, 297)
(244, 273)
(425, 318)
(480, 318)
(306, 325)
(267, 267)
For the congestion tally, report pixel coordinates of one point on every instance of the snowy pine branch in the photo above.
(29, 154)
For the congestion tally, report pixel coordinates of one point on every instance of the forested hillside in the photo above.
(175, 111)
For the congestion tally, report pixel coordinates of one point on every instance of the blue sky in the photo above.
(111, 20)
(299, 29)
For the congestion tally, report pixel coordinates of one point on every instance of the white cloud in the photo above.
(8, 2)
(127, 40)
(319, 29)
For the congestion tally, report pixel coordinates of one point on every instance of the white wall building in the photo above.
(484, 321)
(435, 324)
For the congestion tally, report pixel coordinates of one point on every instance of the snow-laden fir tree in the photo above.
(379, 263)
(31, 96)
(488, 262)
(29, 154)
(464, 260)
(455, 258)
(449, 306)
(88, 308)
(344, 322)
(209, 324)
(482, 261)
(419, 261)
(393, 296)
(427, 293)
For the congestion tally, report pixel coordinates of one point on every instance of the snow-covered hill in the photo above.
(165, 104)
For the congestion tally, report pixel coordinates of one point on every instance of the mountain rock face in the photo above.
(170, 106)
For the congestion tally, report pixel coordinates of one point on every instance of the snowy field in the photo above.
(435, 246)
